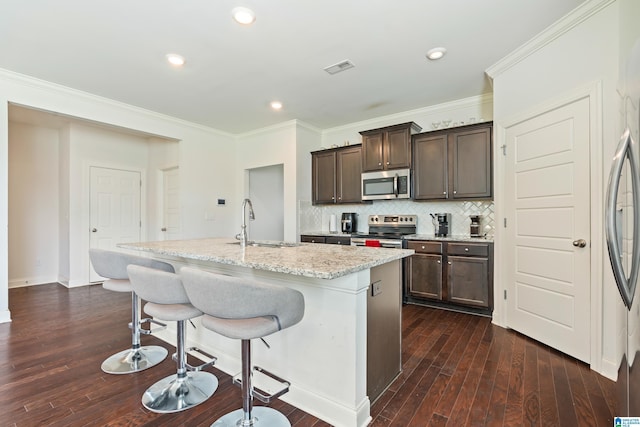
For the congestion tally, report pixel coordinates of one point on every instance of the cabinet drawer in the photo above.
(472, 249)
(425, 247)
(313, 239)
(335, 240)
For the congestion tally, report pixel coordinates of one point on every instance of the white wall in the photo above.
(577, 53)
(272, 146)
(33, 204)
(204, 155)
(95, 146)
(64, 228)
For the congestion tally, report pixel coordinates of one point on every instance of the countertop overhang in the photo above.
(304, 259)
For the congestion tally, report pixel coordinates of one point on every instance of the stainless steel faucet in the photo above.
(242, 236)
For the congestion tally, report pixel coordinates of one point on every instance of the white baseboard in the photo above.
(31, 281)
(5, 316)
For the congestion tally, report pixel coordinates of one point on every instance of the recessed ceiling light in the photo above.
(436, 53)
(276, 105)
(175, 59)
(243, 15)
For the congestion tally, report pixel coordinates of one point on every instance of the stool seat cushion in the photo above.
(118, 285)
(238, 304)
(113, 265)
(243, 329)
(157, 286)
(171, 312)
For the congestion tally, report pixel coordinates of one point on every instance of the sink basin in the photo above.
(269, 244)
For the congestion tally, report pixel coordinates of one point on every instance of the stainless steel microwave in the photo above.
(386, 185)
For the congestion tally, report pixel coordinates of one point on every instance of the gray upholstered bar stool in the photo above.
(245, 309)
(113, 266)
(168, 301)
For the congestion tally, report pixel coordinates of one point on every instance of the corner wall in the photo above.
(576, 53)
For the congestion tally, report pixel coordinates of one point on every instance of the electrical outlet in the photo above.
(376, 288)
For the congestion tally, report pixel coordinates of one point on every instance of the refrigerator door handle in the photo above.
(626, 149)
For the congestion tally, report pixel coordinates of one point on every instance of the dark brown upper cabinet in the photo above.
(335, 175)
(388, 147)
(453, 163)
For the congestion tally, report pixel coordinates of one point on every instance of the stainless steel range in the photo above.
(386, 231)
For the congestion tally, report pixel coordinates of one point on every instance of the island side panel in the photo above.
(384, 328)
(324, 356)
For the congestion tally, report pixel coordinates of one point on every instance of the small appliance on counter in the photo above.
(475, 229)
(333, 224)
(349, 222)
(441, 223)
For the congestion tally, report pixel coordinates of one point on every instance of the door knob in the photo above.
(93, 230)
(580, 243)
(163, 229)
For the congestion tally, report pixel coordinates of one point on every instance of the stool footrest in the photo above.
(261, 395)
(203, 353)
(161, 326)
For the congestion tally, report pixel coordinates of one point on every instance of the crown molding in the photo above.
(54, 88)
(551, 33)
(395, 118)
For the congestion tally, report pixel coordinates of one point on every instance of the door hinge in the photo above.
(504, 220)
(504, 149)
(140, 223)
(505, 294)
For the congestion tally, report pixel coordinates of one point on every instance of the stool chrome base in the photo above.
(134, 360)
(261, 416)
(173, 394)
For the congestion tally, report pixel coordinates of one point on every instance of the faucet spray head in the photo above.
(252, 216)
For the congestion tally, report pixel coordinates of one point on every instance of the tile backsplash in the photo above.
(316, 218)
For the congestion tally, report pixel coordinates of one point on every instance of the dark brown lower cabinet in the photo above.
(331, 240)
(450, 274)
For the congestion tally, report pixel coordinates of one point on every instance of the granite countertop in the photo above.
(460, 238)
(303, 259)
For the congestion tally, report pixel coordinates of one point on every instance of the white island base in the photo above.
(324, 357)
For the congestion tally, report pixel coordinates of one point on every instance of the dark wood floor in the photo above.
(458, 370)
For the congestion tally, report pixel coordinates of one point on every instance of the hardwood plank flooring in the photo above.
(458, 370)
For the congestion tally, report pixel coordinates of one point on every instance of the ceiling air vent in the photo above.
(340, 66)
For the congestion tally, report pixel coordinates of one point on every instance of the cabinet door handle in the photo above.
(449, 263)
(438, 261)
(444, 192)
(455, 192)
(422, 246)
(466, 249)
(379, 164)
(387, 162)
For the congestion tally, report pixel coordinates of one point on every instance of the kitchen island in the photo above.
(349, 339)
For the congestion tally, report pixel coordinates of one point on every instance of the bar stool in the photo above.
(245, 309)
(168, 301)
(113, 266)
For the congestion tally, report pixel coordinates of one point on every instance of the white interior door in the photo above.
(114, 209)
(547, 204)
(171, 204)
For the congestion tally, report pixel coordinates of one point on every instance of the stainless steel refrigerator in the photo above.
(622, 210)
